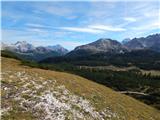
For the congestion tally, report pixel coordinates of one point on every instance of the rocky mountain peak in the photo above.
(58, 48)
(21, 42)
(102, 44)
(23, 46)
(149, 42)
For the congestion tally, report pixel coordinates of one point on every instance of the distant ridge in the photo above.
(29, 52)
(102, 45)
(150, 42)
(58, 48)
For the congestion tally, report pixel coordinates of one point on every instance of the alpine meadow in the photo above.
(80, 60)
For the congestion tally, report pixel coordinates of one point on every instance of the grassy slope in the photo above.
(99, 95)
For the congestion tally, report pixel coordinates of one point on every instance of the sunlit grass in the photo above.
(99, 95)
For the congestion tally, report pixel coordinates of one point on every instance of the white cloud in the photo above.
(81, 29)
(36, 30)
(93, 29)
(130, 19)
(35, 25)
(95, 17)
(107, 28)
(148, 26)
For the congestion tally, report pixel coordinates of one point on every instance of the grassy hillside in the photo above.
(120, 79)
(31, 93)
(9, 54)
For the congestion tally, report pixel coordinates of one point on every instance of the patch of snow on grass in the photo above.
(48, 101)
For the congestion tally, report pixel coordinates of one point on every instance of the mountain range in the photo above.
(106, 45)
(103, 47)
(29, 52)
(150, 42)
(144, 54)
(100, 46)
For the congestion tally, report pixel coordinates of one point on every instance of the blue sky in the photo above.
(75, 23)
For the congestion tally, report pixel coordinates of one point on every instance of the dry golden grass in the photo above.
(99, 95)
(115, 68)
(152, 72)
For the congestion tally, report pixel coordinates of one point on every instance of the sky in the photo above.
(71, 23)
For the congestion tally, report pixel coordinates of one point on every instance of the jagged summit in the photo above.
(150, 42)
(23, 46)
(58, 48)
(31, 52)
(21, 42)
